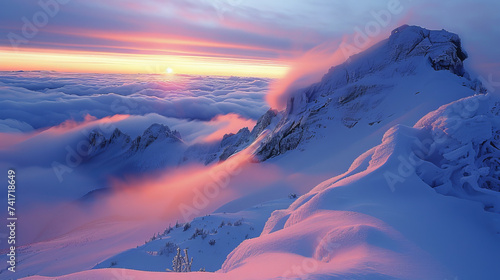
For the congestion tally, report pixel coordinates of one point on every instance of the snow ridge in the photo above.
(352, 216)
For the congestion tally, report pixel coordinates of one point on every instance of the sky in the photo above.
(258, 38)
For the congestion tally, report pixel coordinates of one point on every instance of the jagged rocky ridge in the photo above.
(157, 147)
(123, 142)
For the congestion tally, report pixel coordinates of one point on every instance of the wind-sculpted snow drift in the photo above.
(386, 217)
(460, 151)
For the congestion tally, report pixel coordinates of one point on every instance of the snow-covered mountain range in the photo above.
(406, 73)
(158, 144)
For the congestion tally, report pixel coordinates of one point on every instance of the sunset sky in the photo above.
(221, 37)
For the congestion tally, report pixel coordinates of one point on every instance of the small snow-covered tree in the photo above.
(177, 261)
(187, 262)
(182, 263)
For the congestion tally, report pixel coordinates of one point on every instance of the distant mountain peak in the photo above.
(157, 131)
(119, 137)
(119, 140)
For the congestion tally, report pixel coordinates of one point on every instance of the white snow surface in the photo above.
(225, 230)
(362, 225)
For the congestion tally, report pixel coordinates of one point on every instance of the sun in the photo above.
(169, 70)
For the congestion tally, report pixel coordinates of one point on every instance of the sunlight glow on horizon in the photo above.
(103, 62)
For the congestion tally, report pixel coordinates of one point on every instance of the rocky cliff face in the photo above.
(233, 143)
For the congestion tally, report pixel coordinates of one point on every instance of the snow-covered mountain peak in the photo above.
(97, 141)
(119, 137)
(442, 48)
(413, 67)
(407, 45)
(156, 131)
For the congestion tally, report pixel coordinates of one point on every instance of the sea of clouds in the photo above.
(38, 100)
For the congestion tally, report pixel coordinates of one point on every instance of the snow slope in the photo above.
(364, 225)
(60, 255)
(225, 230)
